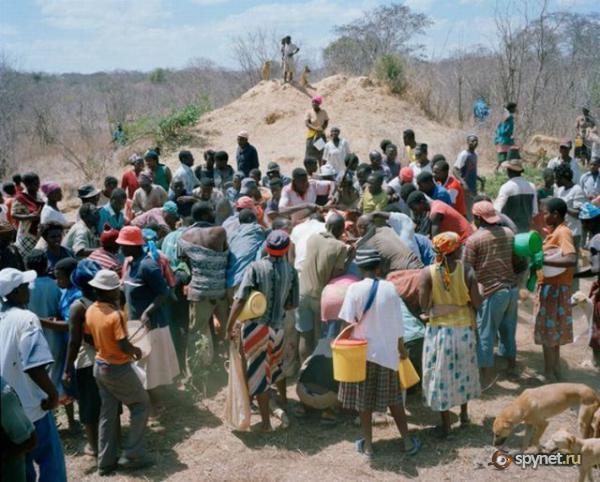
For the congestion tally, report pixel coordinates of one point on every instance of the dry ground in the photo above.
(191, 441)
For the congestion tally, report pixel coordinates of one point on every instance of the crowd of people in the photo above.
(401, 250)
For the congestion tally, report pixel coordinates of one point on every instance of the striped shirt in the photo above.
(278, 281)
(106, 260)
(489, 252)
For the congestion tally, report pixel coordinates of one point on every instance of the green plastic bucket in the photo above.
(527, 244)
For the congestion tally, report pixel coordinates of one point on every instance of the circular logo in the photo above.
(501, 460)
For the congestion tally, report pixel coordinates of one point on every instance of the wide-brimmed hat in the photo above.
(130, 236)
(513, 165)
(87, 191)
(106, 280)
(11, 279)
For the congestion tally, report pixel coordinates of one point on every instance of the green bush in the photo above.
(170, 130)
(158, 76)
(494, 181)
(391, 70)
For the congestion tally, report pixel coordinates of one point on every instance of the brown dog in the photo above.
(304, 77)
(266, 70)
(588, 448)
(536, 405)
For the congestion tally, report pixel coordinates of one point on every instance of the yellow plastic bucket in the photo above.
(349, 359)
(255, 306)
(407, 373)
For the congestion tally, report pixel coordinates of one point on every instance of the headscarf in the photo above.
(443, 245)
(84, 273)
(317, 99)
(109, 236)
(49, 187)
(406, 174)
(150, 247)
(171, 208)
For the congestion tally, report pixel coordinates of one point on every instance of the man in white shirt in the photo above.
(336, 150)
(565, 158)
(517, 197)
(590, 181)
(421, 163)
(24, 357)
(301, 233)
(303, 190)
(185, 173)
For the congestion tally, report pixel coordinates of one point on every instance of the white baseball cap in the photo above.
(11, 278)
(106, 280)
(328, 170)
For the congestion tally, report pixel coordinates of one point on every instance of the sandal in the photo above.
(360, 448)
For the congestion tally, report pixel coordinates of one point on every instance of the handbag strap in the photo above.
(370, 299)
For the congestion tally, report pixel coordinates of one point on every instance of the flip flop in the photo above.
(360, 448)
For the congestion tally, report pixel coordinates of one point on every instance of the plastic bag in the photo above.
(237, 407)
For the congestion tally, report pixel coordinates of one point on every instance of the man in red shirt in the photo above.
(441, 170)
(129, 181)
(443, 217)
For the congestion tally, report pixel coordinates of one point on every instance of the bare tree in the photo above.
(252, 50)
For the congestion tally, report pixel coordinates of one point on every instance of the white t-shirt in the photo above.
(418, 169)
(574, 198)
(515, 186)
(50, 214)
(335, 155)
(299, 237)
(290, 198)
(22, 347)
(574, 165)
(381, 326)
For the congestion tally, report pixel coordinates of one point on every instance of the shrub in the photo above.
(390, 69)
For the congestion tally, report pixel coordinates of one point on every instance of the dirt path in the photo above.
(191, 441)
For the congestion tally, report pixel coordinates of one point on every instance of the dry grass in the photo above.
(191, 441)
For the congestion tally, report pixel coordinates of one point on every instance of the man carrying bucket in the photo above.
(262, 337)
(374, 311)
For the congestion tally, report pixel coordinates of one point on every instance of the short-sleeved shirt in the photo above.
(452, 220)
(517, 199)
(300, 235)
(441, 194)
(44, 297)
(325, 255)
(466, 163)
(381, 326)
(561, 238)
(457, 194)
(418, 169)
(106, 260)
(573, 164)
(51, 215)
(143, 202)
(316, 119)
(107, 326)
(574, 197)
(130, 183)
(144, 282)
(185, 174)
(23, 347)
(394, 253)
(290, 198)
(108, 216)
(53, 259)
(489, 252)
(590, 184)
(373, 202)
(80, 237)
(278, 281)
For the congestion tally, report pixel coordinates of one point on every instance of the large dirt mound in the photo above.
(273, 114)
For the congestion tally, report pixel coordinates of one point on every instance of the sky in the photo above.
(104, 35)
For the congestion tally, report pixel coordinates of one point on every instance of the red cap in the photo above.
(406, 174)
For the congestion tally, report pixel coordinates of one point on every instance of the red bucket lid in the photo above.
(348, 342)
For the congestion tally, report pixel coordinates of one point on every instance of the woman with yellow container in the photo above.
(373, 310)
(450, 294)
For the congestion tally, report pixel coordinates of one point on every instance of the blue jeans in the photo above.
(497, 315)
(47, 454)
